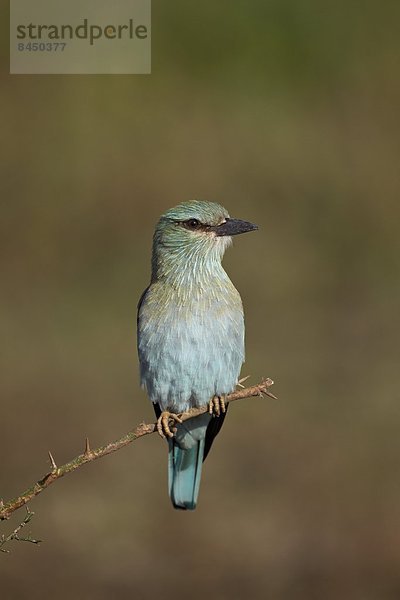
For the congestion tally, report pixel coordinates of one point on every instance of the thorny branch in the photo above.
(89, 455)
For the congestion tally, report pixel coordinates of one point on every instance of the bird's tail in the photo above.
(184, 474)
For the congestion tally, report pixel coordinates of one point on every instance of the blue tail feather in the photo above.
(184, 474)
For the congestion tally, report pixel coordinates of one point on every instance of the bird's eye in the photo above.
(193, 224)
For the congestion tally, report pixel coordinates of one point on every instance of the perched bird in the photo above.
(190, 335)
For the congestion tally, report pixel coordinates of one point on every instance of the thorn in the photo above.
(52, 462)
(87, 446)
(267, 383)
(1, 503)
(243, 379)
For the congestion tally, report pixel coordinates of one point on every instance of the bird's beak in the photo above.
(234, 227)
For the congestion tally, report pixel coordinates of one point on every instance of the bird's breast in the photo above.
(191, 346)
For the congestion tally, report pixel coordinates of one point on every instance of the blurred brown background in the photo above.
(287, 113)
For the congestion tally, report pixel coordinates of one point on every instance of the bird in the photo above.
(190, 336)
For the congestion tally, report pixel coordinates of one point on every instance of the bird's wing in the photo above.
(213, 429)
(139, 306)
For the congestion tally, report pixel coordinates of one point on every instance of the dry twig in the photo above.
(14, 535)
(7, 508)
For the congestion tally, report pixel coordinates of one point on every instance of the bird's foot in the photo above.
(165, 422)
(216, 406)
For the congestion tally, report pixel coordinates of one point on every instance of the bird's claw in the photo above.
(216, 406)
(163, 423)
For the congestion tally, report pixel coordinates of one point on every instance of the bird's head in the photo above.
(194, 232)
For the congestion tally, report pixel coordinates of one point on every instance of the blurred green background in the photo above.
(287, 113)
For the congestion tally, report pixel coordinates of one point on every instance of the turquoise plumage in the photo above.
(190, 334)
